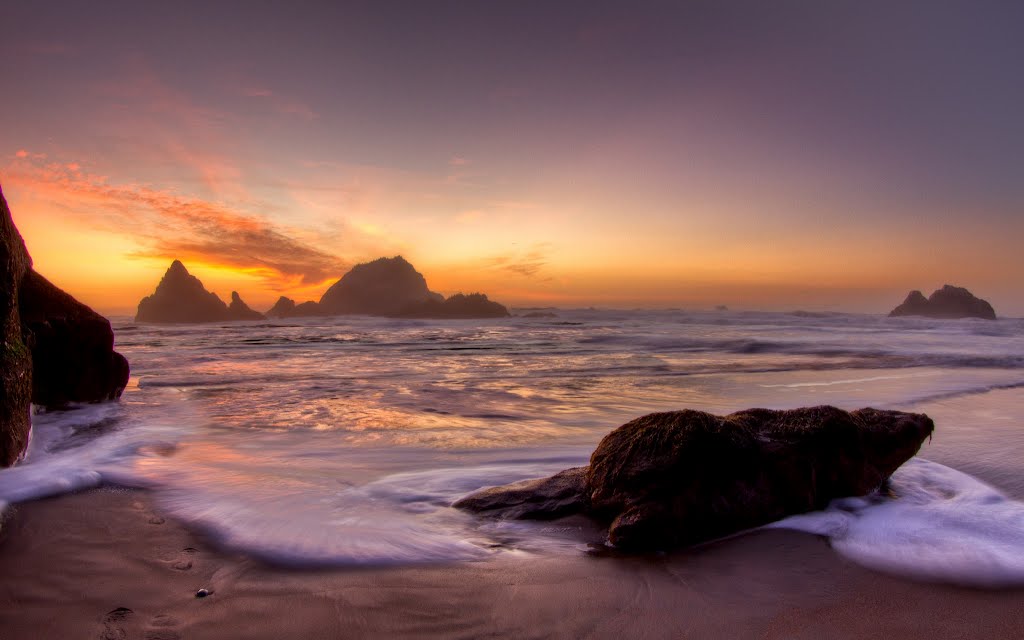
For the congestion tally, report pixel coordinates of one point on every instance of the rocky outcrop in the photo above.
(73, 357)
(55, 350)
(679, 478)
(15, 358)
(180, 297)
(392, 287)
(947, 302)
(384, 287)
(560, 495)
(283, 308)
(474, 305)
(286, 308)
(238, 310)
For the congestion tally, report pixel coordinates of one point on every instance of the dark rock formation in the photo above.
(15, 359)
(947, 302)
(55, 349)
(73, 357)
(474, 305)
(283, 308)
(238, 310)
(560, 495)
(384, 287)
(181, 297)
(306, 309)
(286, 308)
(684, 477)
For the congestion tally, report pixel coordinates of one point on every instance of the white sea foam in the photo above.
(940, 525)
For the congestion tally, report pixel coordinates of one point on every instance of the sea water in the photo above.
(344, 441)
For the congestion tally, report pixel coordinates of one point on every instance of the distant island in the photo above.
(947, 302)
(181, 298)
(389, 287)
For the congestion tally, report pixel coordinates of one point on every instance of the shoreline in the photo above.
(114, 567)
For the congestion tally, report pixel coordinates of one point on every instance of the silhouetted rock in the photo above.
(181, 297)
(73, 357)
(947, 302)
(238, 310)
(286, 308)
(684, 477)
(475, 305)
(384, 287)
(307, 309)
(55, 349)
(15, 359)
(283, 308)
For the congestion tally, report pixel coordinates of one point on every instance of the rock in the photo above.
(181, 297)
(475, 305)
(238, 310)
(306, 309)
(684, 477)
(202, 593)
(286, 308)
(73, 357)
(384, 287)
(392, 287)
(543, 499)
(15, 358)
(947, 302)
(283, 308)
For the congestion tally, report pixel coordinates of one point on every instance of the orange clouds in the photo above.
(171, 226)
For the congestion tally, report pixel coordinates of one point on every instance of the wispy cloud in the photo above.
(529, 263)
(279, 103)
(169, 225)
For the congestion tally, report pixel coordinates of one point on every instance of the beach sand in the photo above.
(105, 564)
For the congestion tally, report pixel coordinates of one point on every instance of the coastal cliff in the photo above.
(56, 350)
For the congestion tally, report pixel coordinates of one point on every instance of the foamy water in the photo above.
(344, 440)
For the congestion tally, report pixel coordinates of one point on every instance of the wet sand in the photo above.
(105, 564)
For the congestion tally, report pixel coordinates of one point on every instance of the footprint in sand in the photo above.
(112, 629)
(184, 560)
(163, 627)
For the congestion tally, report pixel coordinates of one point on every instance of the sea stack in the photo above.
(180, 297)
(238, 310)
(384, 287)
(392, 287)
(684, 477)
(947, 302)
(56, 350)
(286, 308)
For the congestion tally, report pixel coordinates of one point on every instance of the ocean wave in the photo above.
(938, 525)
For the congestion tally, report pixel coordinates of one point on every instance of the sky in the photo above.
(782, 155)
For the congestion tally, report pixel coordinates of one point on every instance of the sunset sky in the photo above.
(765, 155)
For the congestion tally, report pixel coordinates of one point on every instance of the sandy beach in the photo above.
(106, 564)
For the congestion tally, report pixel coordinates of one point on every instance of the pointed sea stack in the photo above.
(947, 302)
(180, 297)
(238, 310)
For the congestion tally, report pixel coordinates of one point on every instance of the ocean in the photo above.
(342, 441)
